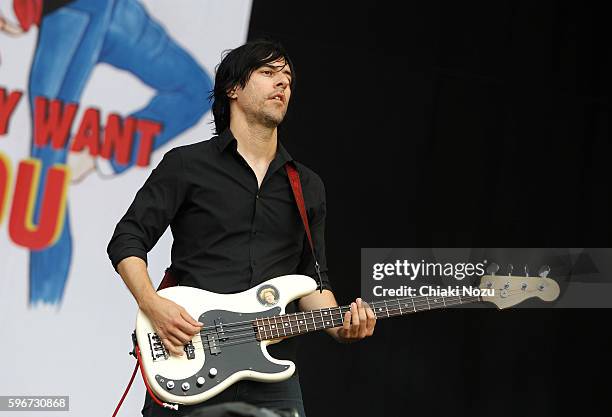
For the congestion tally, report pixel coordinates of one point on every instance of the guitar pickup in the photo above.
(219, 330)
(189, 350)
(213, 344)
(158, 351)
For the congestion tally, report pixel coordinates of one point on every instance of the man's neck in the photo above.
(256, 143)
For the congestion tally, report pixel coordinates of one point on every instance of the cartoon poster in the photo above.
(92, 94)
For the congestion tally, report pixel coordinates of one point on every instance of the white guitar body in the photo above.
(220, 355)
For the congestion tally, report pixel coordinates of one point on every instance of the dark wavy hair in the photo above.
(235, 70)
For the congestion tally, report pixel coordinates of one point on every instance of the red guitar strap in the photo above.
(168, 281)
(296, 186)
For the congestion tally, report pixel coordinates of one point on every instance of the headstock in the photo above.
(509, 290)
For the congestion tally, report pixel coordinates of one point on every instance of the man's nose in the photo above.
(282, 81)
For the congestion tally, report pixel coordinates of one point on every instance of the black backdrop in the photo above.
(445, 124)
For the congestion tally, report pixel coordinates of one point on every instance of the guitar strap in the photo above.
(296, 186)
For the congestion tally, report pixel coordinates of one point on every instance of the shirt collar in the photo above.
(227, 137)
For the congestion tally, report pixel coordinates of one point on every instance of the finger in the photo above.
(346, 325)
(182, 337)
(371, 322)
(173, 349)
(363, 321)
(185, 324)
(190, 319)
(345, 331)
(355, 320)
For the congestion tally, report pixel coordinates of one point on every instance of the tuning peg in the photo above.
(492, 269)
(526, 270)
(543, 271)
(510, 269)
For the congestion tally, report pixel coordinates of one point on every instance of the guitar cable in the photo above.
(167, 281)
(136, 354)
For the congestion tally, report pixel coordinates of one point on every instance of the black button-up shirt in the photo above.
(229, 234)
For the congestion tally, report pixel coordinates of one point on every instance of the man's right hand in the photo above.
(174, 326)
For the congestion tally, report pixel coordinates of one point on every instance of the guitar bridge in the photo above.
(158, 351)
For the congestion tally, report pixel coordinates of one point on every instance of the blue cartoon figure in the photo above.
(74, 36)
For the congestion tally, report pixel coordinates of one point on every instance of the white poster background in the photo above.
(80, 347)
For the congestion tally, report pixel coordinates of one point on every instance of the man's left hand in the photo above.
(359, 322)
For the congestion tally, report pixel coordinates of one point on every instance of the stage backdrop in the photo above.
(92, 94)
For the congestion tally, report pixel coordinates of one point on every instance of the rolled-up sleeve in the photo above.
(152, 210)
(316, 220)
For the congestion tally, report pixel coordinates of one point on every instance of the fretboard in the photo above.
(326, 318)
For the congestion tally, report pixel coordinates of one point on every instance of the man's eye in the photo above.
(267, 72)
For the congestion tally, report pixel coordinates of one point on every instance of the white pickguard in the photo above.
(197, 302)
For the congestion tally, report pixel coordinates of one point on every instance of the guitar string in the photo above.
(320, 320)
(371, 304)
(316, 321)
(323, 313)
(391, 311)
(381, 303)
(420, 300)
(251, 336)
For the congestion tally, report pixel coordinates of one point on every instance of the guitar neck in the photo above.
(326, 318)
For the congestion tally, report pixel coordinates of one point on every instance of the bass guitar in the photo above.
(238, 327)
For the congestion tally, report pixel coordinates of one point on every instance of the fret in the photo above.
(400, 306)
(283, 325)
(323, 321)
(341, 316)
(274, 328)
(379, 310)
(265, 328)
(444, 301)
(279, 325)
(297, 322)
(428, 306)
(413, 306)
(286, 318)
(304, 320)
(334, 314)
(291, 329)
(314, 323)
(386, 308)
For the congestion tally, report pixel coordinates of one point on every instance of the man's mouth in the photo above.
(278, 97)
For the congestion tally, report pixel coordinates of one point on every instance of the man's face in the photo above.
(269, 297)
(265, 97)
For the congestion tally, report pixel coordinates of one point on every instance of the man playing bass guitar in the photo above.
(234, 219)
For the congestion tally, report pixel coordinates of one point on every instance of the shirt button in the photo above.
(257, 196)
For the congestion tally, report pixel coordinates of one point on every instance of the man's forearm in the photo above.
(133, 271)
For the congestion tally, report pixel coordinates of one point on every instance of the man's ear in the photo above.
(232, 93)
